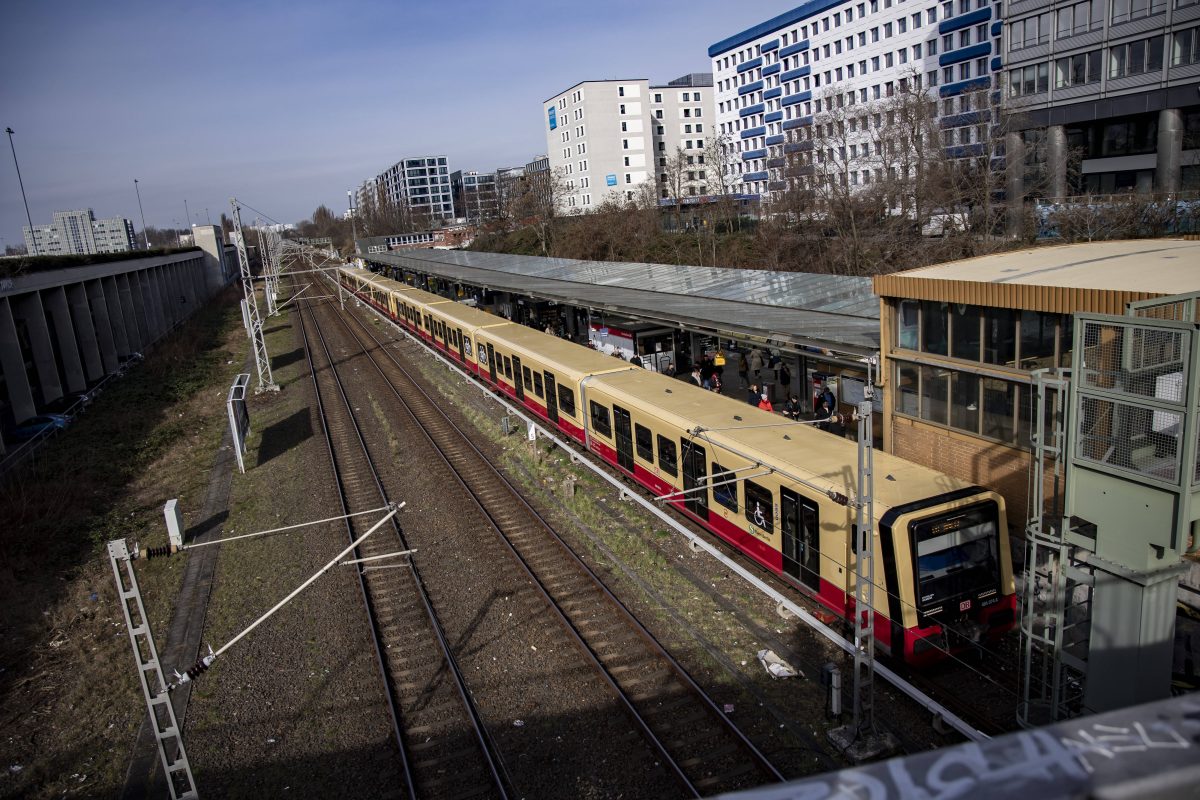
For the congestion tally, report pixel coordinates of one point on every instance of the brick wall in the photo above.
(1005, 469)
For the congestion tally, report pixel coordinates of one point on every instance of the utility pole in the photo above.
(861, 740)
(353, 221)
(262, 359)
(32, 234)
(145, 236)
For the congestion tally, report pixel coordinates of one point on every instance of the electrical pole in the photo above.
(262, 359)
(145, 236)
(353, 222)
(861, 740)
(32, 233)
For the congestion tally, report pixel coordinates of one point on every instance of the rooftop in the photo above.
(1093, 276)
(833, 311)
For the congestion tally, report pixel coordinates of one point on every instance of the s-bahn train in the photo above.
(776, 492)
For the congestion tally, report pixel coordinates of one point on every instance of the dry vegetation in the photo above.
(66, 675)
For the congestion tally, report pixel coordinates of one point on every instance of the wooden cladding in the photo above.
(1023, 297)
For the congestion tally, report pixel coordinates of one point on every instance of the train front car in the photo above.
(783, 494)
(953, 567)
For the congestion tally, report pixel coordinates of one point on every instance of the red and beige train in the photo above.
(776, 492)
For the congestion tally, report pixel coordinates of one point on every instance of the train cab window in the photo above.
(668, 456)
(645, 442)
(956, 554)
(508, 367)
(528, 376)
(726, 492)
(566, 401)
(537, 385)
(600, 418)
(760, 506)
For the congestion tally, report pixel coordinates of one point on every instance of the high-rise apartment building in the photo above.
(420, 186)
(1090, 96)
(775, 79)
(1104, 95)
(475, 195)
(613, 138)
(80, 233)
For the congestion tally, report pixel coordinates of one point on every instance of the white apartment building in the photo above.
(612, 138)
(422, 185)
(80, 233)
(774, 79)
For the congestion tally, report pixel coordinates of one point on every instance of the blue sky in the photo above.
(286, 105)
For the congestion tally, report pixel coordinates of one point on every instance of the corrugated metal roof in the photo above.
(830, 311)
(1157, 266)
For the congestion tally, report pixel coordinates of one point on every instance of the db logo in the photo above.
(965, 605)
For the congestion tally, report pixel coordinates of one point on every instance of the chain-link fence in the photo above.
(1139, 423)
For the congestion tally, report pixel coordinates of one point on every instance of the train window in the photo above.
(528, 376)
(668, 461)
(508, 367)
(537, 384)
(566, 401)
(725, 493)
(600, 421)
(645, 442)
(760, 506)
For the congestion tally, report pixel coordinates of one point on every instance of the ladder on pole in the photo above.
(154, 689)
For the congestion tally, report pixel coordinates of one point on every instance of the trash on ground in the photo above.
(776, 667)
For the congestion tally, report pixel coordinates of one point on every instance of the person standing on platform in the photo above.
(752, 395)
(756, 363)
(743, 369)
(765, 404)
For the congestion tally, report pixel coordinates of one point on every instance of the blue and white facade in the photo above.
(775, 79)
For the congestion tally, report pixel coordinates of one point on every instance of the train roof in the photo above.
(819, 458)
(565, 357)
(390, 285)
(468, 316)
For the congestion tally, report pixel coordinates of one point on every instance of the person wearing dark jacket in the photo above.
(752, 394)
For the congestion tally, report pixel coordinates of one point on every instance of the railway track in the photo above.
(685, 730)
(443, 745)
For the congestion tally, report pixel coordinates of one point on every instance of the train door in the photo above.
(801, 531)
(518, 384)
(458, 343)
(552, 399)
(624, 438)
(491, 356)
(695, 473)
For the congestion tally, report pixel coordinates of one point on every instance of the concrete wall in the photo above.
(65, 330)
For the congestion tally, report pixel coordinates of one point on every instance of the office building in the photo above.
(475, 196)
(80, 233)
(612, 139)
(1104, 96)
(420, 187)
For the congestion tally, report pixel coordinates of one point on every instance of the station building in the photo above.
(960, 342)
(65, 329)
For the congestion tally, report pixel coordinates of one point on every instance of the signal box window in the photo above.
(760, 508)
(566, 401)
(537, 384)
(645, 442)
(726, 494)
(668, 459)
(600, 420)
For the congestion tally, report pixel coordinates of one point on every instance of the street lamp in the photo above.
(145, 236)
(353, 222)
(32, 233)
